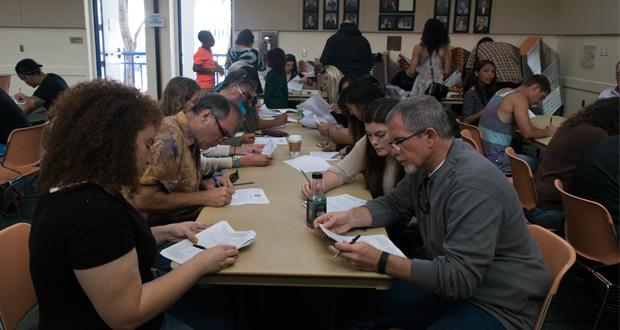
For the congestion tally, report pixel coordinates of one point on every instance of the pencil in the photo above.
(352, 242)
(305, 176)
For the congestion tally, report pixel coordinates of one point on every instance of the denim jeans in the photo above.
(548, 218)
(407, 306)
(503, 163)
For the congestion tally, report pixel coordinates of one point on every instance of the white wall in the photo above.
(49, 47)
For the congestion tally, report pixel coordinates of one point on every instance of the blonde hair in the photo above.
(333, 76)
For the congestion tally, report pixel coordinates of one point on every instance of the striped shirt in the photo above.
(496, 135)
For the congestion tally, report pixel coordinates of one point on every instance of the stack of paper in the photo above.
(269, 147)
(249, 196)
(380, 242)
(295, 84)
(320, 110)
(265, 139)
(308, 164)
(220, 233)
(266, 112)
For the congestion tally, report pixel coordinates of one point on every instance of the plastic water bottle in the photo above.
(316, 204)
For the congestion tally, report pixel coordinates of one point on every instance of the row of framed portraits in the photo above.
(462, 14)
(330, 13)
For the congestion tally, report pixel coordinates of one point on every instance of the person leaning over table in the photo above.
(361, 92)
(509, 108)
(237, 88)
(90, 251)
(180, 95)
(570, 143)
(171, 189)
(371, 157)
(484, 270)
(49, 86)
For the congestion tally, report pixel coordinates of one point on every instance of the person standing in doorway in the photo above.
(204, 65)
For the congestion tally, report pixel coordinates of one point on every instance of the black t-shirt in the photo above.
(11, 116)
(50, 87)
(596, 175)
(80, 228)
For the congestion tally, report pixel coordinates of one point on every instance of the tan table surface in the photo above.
(286, 252)
(542, 122)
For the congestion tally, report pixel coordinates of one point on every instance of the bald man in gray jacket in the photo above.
(484, 270)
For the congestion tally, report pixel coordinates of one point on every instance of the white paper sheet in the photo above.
(249, 196)
(332, 155)
(265, 139)
(269, 147)
(266, 112)
(293, 120)
(341, 203)
(219, 233)
(381, 242)
(308, 164)
(296, 84)
(320, 108)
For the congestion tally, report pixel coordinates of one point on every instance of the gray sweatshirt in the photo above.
(475, 235)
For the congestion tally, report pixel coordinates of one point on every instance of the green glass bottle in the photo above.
(316, 204)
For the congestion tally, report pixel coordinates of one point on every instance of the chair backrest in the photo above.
(522, 180)
(588, 228)
(24, 147)
(5, 83)
(466, 136)
(17, 295)
(475, 134)
(559, 256)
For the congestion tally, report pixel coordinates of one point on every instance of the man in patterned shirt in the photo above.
(171, 188)
(506, 59)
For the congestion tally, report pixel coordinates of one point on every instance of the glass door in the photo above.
(120, 41)
(214, 16)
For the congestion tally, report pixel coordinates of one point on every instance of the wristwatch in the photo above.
(236, 161)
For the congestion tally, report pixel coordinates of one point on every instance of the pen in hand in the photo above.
(305, 176)
(198, 246)
(352, 242)
(550, 121)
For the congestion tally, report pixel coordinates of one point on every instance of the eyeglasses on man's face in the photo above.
(397, 142)
(223, 132)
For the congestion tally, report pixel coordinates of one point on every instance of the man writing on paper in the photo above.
(171, 189)
(484, 269)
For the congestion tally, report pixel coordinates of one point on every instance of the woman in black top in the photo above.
(90, 251)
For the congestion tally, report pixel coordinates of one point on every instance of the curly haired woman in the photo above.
(90, 251)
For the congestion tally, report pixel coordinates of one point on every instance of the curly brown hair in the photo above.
(603, 113)
(93, 137)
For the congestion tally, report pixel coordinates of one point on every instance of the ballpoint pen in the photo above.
(352, 242)
(305, 176)
(198, 246)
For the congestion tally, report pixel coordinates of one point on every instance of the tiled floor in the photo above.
(573, 308)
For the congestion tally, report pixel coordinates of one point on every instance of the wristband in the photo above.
(382, 262)
(236, 161)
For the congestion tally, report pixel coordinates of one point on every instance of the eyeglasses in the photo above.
(396, 143)
(222, 131)
(246, 97)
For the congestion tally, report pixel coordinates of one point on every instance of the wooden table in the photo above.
(542, 122)
(286, 252)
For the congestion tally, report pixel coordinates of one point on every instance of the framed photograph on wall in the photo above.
(461, 16)
(482, 21)
(405, 23)
(388, 22)
(442, 11)
(330, 20)
(388, 6)
(351, 11)
(311, 5)
(311, 20)
(330, 5)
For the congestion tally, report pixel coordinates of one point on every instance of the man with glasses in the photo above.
(171, 188)
(483, 270)
(49, 86)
